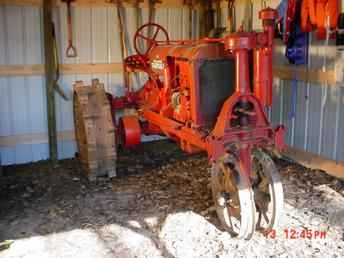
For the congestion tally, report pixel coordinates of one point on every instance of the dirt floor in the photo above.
(159, 206)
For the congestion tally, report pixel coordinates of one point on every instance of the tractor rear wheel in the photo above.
(94, 130)
(233, 198)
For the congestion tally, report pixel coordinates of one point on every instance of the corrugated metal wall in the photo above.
(315, 127)
(96, 36)
(22, 99)
(318, 122)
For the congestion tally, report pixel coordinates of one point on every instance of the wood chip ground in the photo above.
(159, 205)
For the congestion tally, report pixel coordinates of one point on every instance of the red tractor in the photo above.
(208, 95)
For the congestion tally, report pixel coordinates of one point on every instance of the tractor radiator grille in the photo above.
(217, 83)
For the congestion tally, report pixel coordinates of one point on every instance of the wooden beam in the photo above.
(302, 74)
(20, 2)
(36, 69)
(285, 73)
(49, 78)
(314, 161)
(91, 68)
(304, 158)
(164, 4)
(17, 70)
(34, 138)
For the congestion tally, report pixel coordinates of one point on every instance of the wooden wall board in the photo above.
(285, 73)
(35, 138)
(165, 3)
(314, 161)
(306, 159)
(37, 69)
(302, 74)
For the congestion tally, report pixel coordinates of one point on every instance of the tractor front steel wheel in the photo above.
(268, 191)
(233, 198)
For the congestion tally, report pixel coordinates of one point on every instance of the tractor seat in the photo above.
(136, 63)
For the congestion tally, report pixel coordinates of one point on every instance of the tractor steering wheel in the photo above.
(151, 41)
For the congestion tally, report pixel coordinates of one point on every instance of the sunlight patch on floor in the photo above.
(109, 241)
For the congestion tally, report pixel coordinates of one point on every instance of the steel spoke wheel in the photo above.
(233, 198)
(268, 191)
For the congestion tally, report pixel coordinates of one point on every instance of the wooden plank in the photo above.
(91, 68)
(164, 4)
(306, 159)
(35, 138)
(36, 69)
(15, 70)
(314, 161)
(285, 73)
(301, 74)
(20, 2)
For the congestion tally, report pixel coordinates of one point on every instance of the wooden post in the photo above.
(49, 79)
